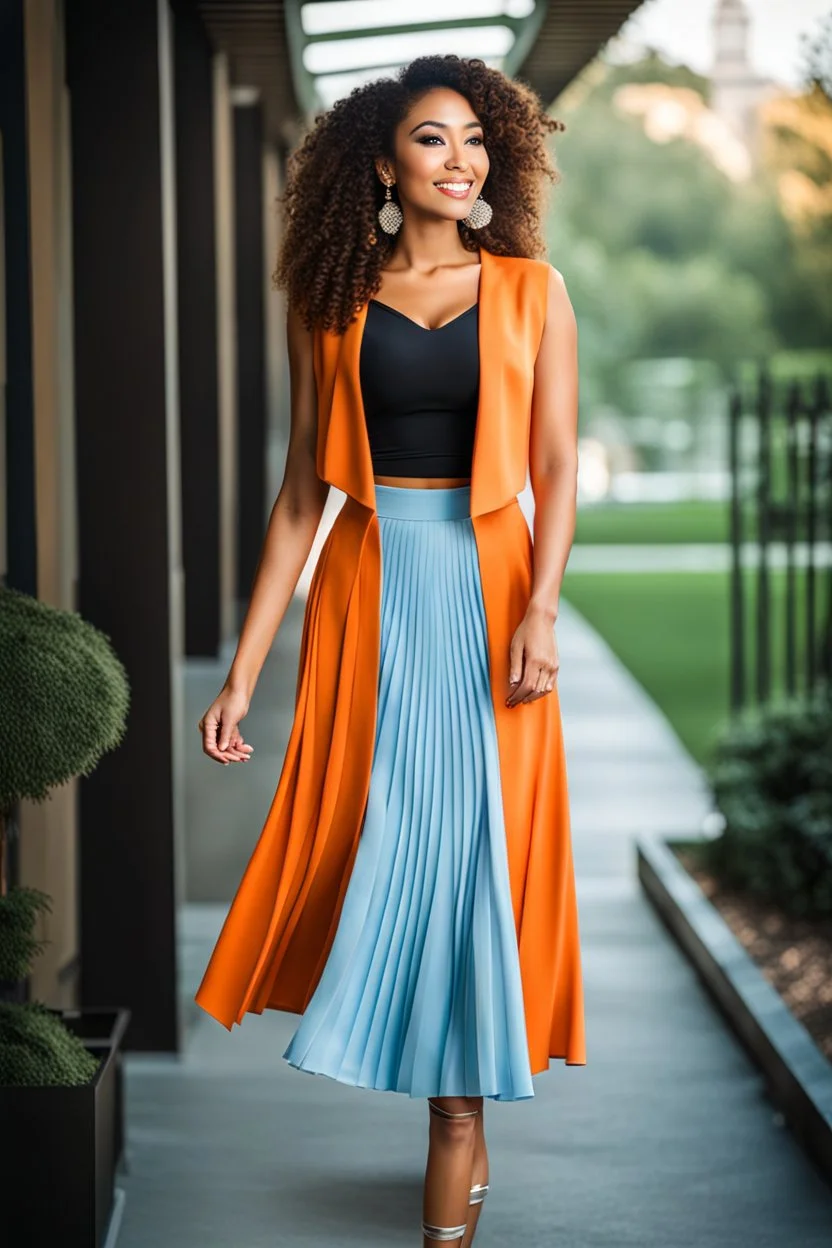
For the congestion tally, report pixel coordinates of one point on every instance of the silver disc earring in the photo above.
(480, 214)
(390, 214)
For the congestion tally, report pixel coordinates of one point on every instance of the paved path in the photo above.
(664, 1140)
(687, 557)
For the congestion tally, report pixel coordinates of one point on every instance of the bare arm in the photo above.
(553, 471)
(291, 531)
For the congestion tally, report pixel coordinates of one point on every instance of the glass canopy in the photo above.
(342, 43)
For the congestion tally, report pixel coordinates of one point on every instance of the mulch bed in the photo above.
(794, 954)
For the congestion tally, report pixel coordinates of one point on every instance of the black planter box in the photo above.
(60, 1146)
(103, 1028)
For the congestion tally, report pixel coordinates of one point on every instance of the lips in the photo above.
(456, 189)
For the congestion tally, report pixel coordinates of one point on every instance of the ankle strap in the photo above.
(443, 1233)
(437, 1109)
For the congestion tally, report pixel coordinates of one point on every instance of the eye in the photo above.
(475, 138)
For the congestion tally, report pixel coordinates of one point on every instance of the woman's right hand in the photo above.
(221, 737)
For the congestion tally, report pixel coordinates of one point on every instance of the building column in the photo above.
(48, 845)
(130, 579)
(251, 333)
(226, 343)
(16, 367)
(197, 296)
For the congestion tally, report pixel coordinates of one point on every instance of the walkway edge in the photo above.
(798, 1075)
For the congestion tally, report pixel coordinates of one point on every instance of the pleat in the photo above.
(421, 992)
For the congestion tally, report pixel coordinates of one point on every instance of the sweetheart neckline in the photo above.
(425, 328)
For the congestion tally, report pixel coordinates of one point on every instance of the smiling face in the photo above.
(440, 158)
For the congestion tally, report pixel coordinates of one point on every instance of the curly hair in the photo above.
(328, 262)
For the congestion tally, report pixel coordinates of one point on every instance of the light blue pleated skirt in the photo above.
(421, 990)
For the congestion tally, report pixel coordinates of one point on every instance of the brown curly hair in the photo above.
(326, 263)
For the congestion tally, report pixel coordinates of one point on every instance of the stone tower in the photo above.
(736, 90)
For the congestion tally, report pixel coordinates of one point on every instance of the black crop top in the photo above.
(420, 389)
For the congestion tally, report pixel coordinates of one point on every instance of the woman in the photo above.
(412, 890)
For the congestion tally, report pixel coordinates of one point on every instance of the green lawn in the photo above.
(672, 632)
(639, 523)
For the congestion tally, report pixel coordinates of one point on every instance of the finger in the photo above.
(515, 662)
(213, 746)
(234, 748)
(521, 692)
(517, 694)
(233, 752)
(213, 752)
(209, 731)
(239, 753)
(517, 671)
(531, 678)
(226, 756)
(547, 683)
(226, 733)
(237, 742)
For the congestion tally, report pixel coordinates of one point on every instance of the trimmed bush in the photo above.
(37, 1049)
(18, 944)
(771, 775)
(64, 696)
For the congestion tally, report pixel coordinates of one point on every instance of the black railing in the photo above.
(781, 506)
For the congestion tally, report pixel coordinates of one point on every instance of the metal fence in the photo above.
(780, 451)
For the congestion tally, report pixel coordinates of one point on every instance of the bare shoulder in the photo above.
(556, 280)
(558, 304)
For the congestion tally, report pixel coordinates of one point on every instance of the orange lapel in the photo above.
(490, 349)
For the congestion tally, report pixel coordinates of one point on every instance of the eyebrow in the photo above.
(443, 125)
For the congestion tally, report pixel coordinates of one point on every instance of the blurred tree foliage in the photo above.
(664, 253)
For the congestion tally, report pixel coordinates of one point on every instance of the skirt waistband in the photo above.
(406, 502)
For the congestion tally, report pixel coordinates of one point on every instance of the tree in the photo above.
(668, 251)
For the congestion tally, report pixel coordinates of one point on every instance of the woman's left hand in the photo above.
(533, 658)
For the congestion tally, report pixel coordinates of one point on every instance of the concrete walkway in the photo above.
(664, 1140)
(689, 557)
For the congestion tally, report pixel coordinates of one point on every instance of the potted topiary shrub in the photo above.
(64, 697)
(18, 945)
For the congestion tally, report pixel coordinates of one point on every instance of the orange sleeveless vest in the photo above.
(278, 932)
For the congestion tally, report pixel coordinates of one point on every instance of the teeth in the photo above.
(454, 186)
